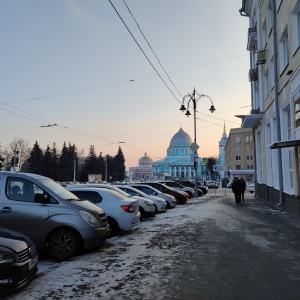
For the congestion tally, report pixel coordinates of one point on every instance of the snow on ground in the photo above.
(139, 256)
(132, 266)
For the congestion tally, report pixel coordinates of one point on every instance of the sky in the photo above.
(81, 72)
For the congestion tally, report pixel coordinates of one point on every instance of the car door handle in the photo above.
(6, 209)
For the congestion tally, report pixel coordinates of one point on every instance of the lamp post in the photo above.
(193, 98)
(74, 162)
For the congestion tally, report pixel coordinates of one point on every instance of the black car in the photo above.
(18, 260)
(202, 190)
(181, 197)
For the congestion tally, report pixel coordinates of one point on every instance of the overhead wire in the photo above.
(152, 49)
(143, 52)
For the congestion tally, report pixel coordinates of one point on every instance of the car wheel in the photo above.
(142, 214)
(63, 244)
(190, 194)
(156, 210)
(168, 205)
(114, 226)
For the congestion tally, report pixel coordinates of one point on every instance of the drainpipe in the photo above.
(278, 127)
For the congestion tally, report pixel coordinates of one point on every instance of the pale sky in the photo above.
(74, 63)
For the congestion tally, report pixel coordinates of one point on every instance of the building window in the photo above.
(270, 17)
(259, 156)
(295, 26)
(277, 4)
(271, 73)
(237, 149)
(238, 167)
(266, 84)
(264, 34)
(238, 158)
(237, 139)
(283, 51)
(247, 139)
(269, 155)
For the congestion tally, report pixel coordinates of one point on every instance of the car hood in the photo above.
(13, 240)
(86, 205)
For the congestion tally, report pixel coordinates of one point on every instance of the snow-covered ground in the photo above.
(133, 265)
(130, 262)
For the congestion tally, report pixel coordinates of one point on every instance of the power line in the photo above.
(117, 83)
(143, 51)
(152, 48)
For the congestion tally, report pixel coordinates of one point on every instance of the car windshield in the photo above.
(58, 189)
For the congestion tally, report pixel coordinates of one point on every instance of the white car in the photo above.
(151, 191)
(160, 204)
(250, 187)
(146, 207)
(122, 212)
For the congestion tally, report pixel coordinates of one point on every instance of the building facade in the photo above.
(179, 160)
(274, 73)
(239, 154)
(143, 171)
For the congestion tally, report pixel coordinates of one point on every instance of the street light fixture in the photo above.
(193, 98)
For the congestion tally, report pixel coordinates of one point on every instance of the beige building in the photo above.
(274, 74)
(239, 154)
(143, 171)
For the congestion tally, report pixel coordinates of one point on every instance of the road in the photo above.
(210, 248)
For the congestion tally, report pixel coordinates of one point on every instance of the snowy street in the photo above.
(210, 248)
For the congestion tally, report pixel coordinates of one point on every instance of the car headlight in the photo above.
(89, 218)
(161, 201)
(149, 203)
(8, 257)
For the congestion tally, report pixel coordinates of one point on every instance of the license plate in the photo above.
(32, 263)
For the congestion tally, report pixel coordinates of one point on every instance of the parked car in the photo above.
(149, 190)
(211, 184)
(202, 190)
(18, 261)
(177, 186)
(122, 212)
(58, 222)
(159, 204)
(180, 196)
(229, 185)
(147, 209)
(250, 187)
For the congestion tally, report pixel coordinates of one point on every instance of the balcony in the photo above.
(261, 56)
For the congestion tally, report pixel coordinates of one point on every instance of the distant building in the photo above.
(239, 154)
(222, 143)
(143, 171)
(178, 162)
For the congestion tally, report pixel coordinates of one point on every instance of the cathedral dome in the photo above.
(145, 160)
(180, 138)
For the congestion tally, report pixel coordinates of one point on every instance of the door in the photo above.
(19, 212)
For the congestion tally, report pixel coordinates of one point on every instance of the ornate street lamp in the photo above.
(193, 98)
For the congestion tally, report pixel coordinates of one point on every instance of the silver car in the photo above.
(55, 219)
(151, 191)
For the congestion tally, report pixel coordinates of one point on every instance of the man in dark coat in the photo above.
(243, 183)
(237, 189)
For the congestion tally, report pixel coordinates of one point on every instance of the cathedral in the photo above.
(179, 161)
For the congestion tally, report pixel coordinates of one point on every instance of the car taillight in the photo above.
(128, 208)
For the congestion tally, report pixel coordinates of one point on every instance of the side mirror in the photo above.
(40, 198)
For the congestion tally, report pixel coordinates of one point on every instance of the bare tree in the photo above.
(19, 152)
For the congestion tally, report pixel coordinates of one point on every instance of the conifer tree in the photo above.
(35, 160)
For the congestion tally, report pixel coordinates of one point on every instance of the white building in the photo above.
(274, 48)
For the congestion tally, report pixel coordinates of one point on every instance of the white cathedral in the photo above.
(179, 160)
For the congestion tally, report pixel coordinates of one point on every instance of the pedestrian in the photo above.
(243, 186)
(237, 190)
